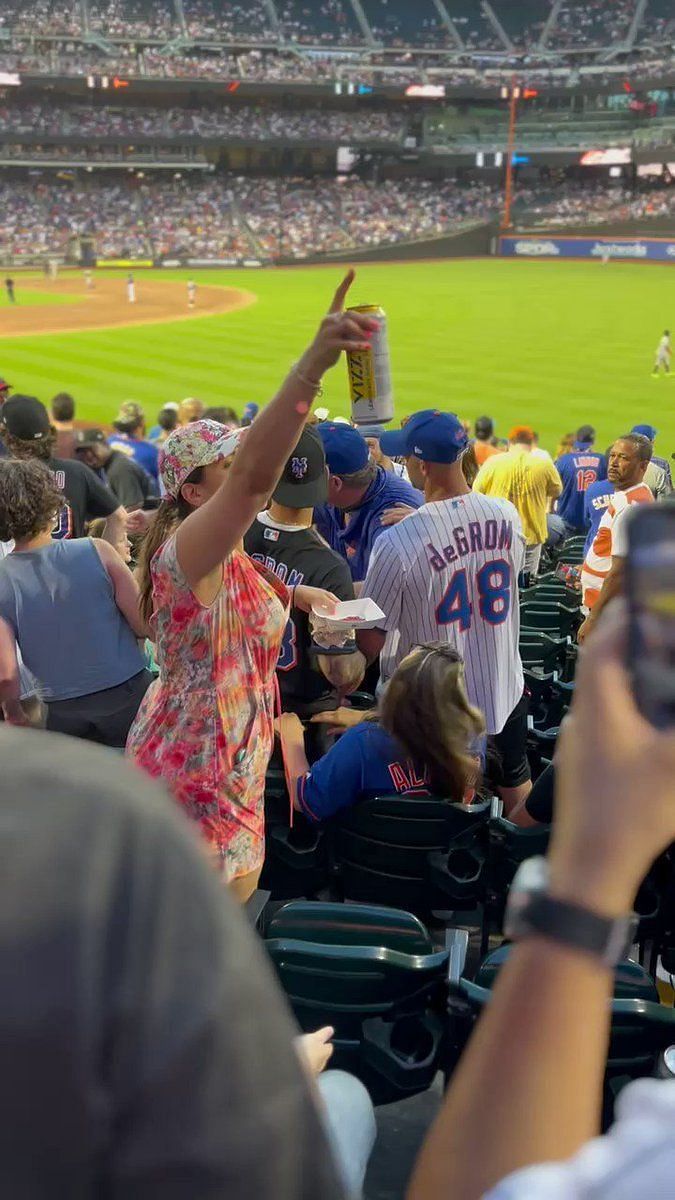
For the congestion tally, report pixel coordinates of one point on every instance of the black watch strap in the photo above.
(575, 926)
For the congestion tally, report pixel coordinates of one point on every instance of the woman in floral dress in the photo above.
(206, 725)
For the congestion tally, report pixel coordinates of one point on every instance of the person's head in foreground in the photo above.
(190, 410)
(522, 436)
(432, 443)
(129, 919)
(304, 481)
(25, 428)
(5, 389)
(629, 458)
(63, 410)
(130, 420)
(647, 431)
(351, 469)
(484, 429)
(29, 500)
(193, 462)
(585, 436)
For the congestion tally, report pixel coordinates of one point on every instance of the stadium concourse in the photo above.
(338, 856)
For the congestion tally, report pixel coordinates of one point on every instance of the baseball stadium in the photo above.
(335, 652)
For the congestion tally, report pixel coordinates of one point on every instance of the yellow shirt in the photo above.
(528, 481)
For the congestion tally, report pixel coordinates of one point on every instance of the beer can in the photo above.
(369, 373)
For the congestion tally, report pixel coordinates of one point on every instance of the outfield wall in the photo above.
(629, 249)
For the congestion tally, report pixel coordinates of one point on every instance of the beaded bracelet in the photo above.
(317, 388)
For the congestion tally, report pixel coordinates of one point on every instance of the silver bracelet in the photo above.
(317, 388)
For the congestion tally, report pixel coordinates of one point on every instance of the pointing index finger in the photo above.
(338, 301)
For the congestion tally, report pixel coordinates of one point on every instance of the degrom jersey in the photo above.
(596, 501)
(449, 573)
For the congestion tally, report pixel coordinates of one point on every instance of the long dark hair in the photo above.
(425, 708)
(169, 516)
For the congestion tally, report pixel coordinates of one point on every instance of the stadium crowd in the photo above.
(249, 120)
(245, 538)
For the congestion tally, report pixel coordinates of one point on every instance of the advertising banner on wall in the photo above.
(630, 249)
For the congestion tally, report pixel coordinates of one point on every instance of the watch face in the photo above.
(669, 1059)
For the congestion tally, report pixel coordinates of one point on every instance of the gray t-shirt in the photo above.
(145, 1046)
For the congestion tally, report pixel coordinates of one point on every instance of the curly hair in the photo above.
(40, 448)
(29, 499)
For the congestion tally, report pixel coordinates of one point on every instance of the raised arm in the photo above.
(208, 535)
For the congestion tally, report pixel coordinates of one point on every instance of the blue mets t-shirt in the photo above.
(365, 762)
(579, 470)
(353, 534)
(596, 503)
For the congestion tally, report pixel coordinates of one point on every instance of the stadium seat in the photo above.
(508, 847)
(374, 974)
(631, 981)
(556, 619)
(541, 650)
(419, 852)
(296, 858)
(640, 1031)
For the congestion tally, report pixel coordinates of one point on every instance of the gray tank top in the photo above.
(60, 603)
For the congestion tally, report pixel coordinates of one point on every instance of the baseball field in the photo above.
(552, 344)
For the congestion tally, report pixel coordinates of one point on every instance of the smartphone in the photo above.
(650, 587)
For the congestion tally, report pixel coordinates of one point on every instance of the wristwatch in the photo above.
(530, 909)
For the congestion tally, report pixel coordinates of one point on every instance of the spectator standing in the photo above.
(124, 476)
(529, 483)
(206, 725)
(167, 420)
(190, 410)
(71, 607)
(359, 493)
(130, 439)
(27, 433)
(63, 413)
(657, 475)
(312, 678)
(578, 470)
(484, 446)
(449, 572)
(603, 566)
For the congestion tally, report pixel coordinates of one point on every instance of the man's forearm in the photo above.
(529, 1084)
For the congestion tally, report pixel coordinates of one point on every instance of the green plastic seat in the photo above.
(421, 853)
(372, 973)
(631, 981)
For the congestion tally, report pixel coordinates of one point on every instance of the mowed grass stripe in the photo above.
(553, 344)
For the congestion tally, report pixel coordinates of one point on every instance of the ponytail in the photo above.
(155, 536)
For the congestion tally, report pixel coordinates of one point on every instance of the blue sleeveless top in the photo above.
(60, 603)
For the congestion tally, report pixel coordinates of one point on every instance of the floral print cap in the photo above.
(195, 445)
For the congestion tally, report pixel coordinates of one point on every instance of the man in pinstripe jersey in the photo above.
(449, 572)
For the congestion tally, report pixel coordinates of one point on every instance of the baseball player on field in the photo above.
(131, 289)
(191, 293)
(663, 353)
(449, 573)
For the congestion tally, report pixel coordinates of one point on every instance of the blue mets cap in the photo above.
(346, 450)
(430, 435)
(647, 431)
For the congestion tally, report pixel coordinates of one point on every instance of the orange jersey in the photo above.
(598, 562)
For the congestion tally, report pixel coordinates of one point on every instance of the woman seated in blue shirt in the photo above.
(422, 739)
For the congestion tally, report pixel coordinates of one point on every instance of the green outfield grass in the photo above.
(31, 297)
(553, 344)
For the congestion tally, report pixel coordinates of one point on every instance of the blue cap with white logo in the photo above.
(346, 450)
(647, 431)
(430, 435)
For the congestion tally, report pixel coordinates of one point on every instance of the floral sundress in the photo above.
(206, 724)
